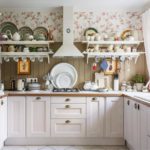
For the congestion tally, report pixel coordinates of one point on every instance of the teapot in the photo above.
(16, 36)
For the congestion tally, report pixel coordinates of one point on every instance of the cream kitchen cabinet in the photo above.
(114, 117)
(38, 116)
(95, 116)
(135, 125)
(3, 121)
(68, 110)
(16, 116)
(128, 121)
(68, 127)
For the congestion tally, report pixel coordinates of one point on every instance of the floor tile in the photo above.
(64, 148)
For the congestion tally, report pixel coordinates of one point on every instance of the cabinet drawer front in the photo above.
(68, 127)
(38, 98)
(68, 110)
(75, 100)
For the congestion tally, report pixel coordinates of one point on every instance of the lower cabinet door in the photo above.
(95, 116)
(38, 116)
(68, 127)
(16, 116)
(114, 117)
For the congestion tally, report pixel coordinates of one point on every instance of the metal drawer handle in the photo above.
(128, 102)
(67, 106)
(67, 100)
(94, 99)
(38, 98)
(138, 106)
(67, 121)
(2, 103)
(135, 106)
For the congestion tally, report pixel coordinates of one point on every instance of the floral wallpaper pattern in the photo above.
(103, 21)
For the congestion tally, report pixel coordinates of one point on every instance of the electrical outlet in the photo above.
(28, 80)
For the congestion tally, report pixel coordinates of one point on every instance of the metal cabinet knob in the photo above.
(38, 98)
(94, 99)
(67, 106)
(138, 106)
(2, 103)
(67, 100)
(67, 121)
(128, 102)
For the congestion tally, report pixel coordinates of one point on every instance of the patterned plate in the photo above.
(90, 31)
(24, 31)
(8, 28)
(41, 33)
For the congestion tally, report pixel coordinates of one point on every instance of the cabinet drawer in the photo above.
(68, 127)
(68, 110)
(75, 100)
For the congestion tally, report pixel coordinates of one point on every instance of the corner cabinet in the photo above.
(136, 123)
(95, 116)
(114, 117)
(3, 122)
(16, 116)
(38, 116)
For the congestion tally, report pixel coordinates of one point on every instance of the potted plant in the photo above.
(138, 81)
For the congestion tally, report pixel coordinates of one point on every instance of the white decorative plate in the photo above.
(64, 80)
(61, 68)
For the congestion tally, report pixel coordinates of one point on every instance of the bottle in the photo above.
(13, 85)
(116, 82)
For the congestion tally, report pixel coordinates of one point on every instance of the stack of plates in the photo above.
(64, 75)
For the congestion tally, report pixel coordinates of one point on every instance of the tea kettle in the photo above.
(20, 84)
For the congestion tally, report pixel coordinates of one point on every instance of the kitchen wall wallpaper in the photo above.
(52, 19)
(108, 22)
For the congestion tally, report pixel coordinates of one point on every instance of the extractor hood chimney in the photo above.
(68, 49)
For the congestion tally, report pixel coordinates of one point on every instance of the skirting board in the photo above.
(64, 141)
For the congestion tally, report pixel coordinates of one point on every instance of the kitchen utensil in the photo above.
(8, 28)
(94, 66)
(20, 84)
(90, 32)
(64, 80)
(104, 64)
(16, 36)
(63, 67)
(41, 33)
(11, 48)
(34, 86)
(25, 33)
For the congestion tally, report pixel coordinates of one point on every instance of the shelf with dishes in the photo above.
(24, 50)
(114, 55)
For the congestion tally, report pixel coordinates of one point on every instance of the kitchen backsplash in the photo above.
(108, 22)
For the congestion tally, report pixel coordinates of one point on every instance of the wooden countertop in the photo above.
(132, 95)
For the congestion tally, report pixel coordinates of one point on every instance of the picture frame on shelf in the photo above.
(24, 67)
(112, 67)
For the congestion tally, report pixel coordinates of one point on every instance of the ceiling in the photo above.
(80, 4)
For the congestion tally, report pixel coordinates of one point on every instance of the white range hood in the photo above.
(68, 49)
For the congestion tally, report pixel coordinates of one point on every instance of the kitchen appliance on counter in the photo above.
(20, 85)
(35, 86)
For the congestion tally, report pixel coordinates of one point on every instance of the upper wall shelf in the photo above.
(113, 42)
(29, 55)
(25, 42)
